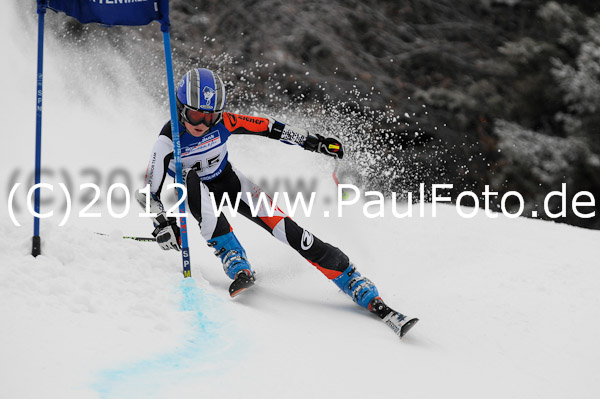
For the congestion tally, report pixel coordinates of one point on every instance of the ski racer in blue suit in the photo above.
(205, 128)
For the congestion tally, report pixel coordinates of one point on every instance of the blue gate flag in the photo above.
(114, 12)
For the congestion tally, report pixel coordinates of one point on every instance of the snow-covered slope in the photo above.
(508, 308)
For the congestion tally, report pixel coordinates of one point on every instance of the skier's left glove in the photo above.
(167, 232)
(325, 145)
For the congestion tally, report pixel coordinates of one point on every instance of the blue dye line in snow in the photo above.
(146, 378)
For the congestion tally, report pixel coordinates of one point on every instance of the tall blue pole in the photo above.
(36, 247)
(185, 251)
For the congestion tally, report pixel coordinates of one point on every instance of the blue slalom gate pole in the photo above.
(41, 10)
(185, 251)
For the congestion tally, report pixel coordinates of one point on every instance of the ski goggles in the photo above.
(195, 117)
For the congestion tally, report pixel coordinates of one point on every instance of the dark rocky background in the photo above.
(469, 92)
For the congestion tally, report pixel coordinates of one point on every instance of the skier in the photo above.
(205, 128)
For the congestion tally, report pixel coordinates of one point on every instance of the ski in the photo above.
(398, 322)
(242, 282)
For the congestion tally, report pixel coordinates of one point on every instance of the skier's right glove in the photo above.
(167, 232)
(325, 145)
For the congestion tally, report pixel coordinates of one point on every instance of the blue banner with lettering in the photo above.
(114, 12)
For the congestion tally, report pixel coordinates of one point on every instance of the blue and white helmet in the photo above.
(200, 90)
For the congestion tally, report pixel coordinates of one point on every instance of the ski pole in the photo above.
(141, 239)
(345, 195)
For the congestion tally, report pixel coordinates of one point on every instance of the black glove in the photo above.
(167, 232)
(325, 145)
